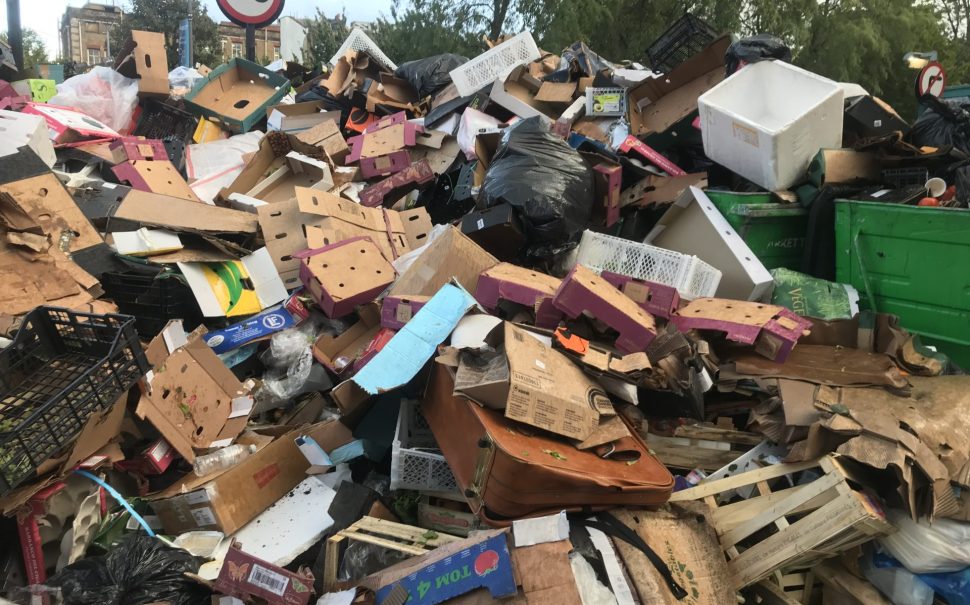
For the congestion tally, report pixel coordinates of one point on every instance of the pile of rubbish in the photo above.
(524, 327)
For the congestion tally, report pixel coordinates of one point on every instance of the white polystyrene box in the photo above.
(767, 121)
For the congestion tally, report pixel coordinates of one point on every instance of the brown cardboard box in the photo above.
(658, 103)
(545, 389)
(517, 93)
(451, 255)
(41, 203)
(338, 353)
(297, 170)
(155, 176)
(327, 137)
(153, 209)
(300, 116)
(143, 58)
(344, 275)
(229, 500)
(192, 398)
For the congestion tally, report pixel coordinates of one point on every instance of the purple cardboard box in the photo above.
(657, 299)
(344, 275)
(533, 289)
(398, 310)
(584, 291)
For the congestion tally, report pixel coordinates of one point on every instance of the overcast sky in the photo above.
(44, 16)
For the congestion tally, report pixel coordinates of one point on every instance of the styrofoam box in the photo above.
(767, 121)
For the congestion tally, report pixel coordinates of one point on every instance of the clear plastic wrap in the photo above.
(103, 94)
(925, 547)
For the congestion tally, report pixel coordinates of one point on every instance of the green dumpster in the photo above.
(912, 262)
(774, 231)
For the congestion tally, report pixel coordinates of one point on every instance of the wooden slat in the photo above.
(710, 433)
(399, 547)
(730, 515)
(740, 480)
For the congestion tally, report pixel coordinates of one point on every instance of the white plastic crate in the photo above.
(768, 121)
(692, 277)
(358, 40)
(494, 63)
(416, 461)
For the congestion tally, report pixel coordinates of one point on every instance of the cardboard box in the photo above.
(228, 501)
(298, 117)
(39, 91)
(544, 389)
(235, 288)
(129, 149)
(498, 230)
(693, 225)
(517, 93)
(767, 121)
(19, 129)
(176, 214)
(344, 275)
(657, 299)
(192, 398)
(516, 284)
(327, 137)
(237, 94)
(395, 233)
(344, 354)
(447, 517)
(384, 165)
(155, 177)
(451, 256)
(657, 104)
(243, 575)
(844, 167)
(297, 170)
(398, 310)
(143, 58)
(582, 291)
(67, 125)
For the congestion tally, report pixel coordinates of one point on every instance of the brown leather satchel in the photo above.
(508, 470)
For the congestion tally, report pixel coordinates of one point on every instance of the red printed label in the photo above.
(266, 474)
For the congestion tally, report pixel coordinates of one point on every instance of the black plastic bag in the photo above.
(138, 571)
(941, 124)
(546, 181)
(579, 61)
(429, 75)
(753, 49)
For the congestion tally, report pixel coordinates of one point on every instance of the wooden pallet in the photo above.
(788, 528)
(708, 448)
(402, 538)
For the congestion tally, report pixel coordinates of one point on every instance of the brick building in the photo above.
(85, 33)
(233, 39)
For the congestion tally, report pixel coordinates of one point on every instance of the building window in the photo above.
(237, 50)
(276, 53)
(94, 56)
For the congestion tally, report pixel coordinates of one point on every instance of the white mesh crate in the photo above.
(358, 40)
(692, 277)
(416, 461)
(494, 63)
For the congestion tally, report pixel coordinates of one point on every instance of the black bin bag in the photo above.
(753, 49)
(429, 75)
(941, 124)
(546, 181)
(139, 570)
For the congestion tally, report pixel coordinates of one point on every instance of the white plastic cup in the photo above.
(936, 187)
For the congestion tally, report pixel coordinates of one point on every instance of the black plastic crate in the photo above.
(682, 40)
(153, 299)
(60, 367)
(159, 120)
(905, 177)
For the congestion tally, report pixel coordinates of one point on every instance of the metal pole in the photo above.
(15, 35)
(251, 43)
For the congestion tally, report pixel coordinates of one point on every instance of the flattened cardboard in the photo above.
(153, 209)
(194, 400)
(561, 93)
(299, 117)
(834, 366)
(659, 103)
(67, 125)
(688, 545)
(584, 291)
(693, 225)
(143, 58)
(327, 137)
(158, 176)
(227, 501)
(451, 255)
(42, 205)
(546, 390)
(235, 288)
(344, 275)
(282, 228)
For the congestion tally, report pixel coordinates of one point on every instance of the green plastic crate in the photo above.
(912, 262)
(237, 93)
(774, 231)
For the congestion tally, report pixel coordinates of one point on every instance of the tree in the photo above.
(323, 39)
(423, 28)
(35, 51)
(165, 16)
